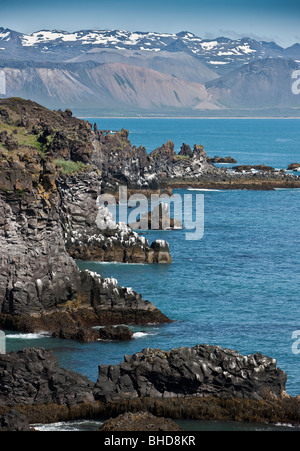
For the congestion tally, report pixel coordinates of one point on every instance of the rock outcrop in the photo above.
(98, 301)
(14, 421)
(140, 421)
(33, 377)
(205, 382)
(201, 371)
(90, 230)
(87, 335)
(48, 217)
(123, 164)
(220, 160)
(293, 166)
(135, 168)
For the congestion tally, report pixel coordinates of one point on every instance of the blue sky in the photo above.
(269, 20)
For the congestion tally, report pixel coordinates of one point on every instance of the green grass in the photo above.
(181, 157)
(68, 167)
(24, 138)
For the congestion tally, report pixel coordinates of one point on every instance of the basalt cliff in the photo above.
(49, 187)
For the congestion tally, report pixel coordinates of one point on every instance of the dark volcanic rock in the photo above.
(87, 335)
(141, 421)
(204, 382)
(117, 333)
(83, 334)
(221, 160)
(201, 371)
(186, 151)
(77, 333)
(33, 377)
(259, 167)
(161, 252)
(14, 421)
(293, 166)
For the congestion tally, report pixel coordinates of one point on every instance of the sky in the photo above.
(275, 20)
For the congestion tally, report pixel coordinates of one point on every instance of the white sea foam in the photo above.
(142, 334)
(28, 336)
(68, 426)
(287, 425)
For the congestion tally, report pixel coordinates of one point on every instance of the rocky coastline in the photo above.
(202, 382)
(53, 168)
(48, 219)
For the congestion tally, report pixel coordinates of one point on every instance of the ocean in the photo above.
(237, 287)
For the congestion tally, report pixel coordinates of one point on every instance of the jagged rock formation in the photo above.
(136, 169)
(122, 164)
(85, 238)
(37, 274)
(201, 371)
(202, 382)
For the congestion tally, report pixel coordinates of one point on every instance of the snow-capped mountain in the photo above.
(219, 54)
(142, 72)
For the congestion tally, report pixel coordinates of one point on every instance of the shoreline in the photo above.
(191, 117)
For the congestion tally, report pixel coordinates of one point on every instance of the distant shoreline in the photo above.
(185, 117)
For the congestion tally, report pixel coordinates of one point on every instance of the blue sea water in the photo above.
(237, 287)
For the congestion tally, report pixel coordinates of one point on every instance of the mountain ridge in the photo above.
(110, 85)
(150, 73)
(218, 52)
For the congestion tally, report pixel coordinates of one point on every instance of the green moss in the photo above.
(19, 192)
(181, 157)
(68, 167)
(24, 138)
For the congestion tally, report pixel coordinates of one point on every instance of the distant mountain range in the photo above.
(121, 71)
